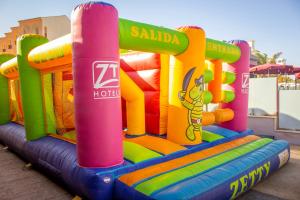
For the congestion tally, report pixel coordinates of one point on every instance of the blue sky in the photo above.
(273, 24)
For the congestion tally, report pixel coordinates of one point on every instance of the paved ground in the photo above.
(19, 183)
(283, 184)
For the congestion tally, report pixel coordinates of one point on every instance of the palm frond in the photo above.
(262, 57)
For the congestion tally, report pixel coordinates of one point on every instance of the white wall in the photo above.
(289, 109)
(57, 26)
(262, 96)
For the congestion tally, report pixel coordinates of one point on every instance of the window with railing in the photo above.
(9, 45)
(45, 31)
(4, 48)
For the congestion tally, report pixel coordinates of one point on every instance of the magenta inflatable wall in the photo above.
(98, 117)
(240, 104)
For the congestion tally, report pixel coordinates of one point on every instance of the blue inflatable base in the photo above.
(227, 181)
(58, 159)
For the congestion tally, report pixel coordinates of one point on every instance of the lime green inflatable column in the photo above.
(4, 93)
(31, 87)
(4, 103)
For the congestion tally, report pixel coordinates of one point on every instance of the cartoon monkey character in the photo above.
(195, 107)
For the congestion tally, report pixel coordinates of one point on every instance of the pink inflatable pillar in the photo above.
(240, 104)
(98, 117)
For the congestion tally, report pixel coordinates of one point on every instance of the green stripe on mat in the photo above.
(210, 137)
(149, 186)
(137, 153)
(70, 135)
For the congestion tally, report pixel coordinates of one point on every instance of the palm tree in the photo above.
(263, 58)
(274, 57)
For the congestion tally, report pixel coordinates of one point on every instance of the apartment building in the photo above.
(51, 27)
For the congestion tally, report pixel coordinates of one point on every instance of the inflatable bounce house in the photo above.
(120, 109)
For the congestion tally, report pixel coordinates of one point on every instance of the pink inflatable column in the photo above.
(98, 117)
(240, 104)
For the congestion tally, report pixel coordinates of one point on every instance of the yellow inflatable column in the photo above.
(186, 90)
(135, 105)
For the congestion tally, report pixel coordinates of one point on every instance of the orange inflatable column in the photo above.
(215, 86)
(186, 90)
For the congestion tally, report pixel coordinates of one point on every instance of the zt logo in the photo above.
(245, 83)
(106, 79)
(105, 74)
